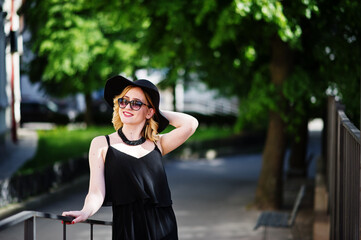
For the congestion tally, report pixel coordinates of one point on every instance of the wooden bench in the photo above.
(280, 219)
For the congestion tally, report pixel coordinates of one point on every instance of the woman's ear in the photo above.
(150, 113)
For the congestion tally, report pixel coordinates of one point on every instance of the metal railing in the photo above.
(343, 159)
(29, 219)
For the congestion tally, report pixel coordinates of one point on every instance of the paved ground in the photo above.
(210, 199)
(13, 155)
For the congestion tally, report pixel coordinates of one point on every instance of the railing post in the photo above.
(30, 229)
(340, 180)
(331, 161)
(91, 231)
(64, 231)
(29, 220)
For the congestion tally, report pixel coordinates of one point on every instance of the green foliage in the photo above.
(205, 133)
(76, 46)
(227, 44)
(339, 51)
(302, 95)
(270, 12)
(298, 95)
(254, 107)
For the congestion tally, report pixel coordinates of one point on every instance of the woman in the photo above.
(126, 169)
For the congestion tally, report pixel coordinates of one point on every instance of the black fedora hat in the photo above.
(115, 85)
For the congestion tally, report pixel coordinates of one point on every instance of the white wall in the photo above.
(195, 97)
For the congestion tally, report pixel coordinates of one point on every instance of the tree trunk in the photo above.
(269, 189)
(270, 183)
(298, 155)
(88, 118)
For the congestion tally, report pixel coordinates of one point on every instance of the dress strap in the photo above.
(108, 141)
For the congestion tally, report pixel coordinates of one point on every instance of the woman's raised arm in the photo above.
(185, 125)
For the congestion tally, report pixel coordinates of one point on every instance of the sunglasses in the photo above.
(134, 104)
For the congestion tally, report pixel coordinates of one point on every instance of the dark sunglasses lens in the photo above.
(136, 105)
(122, 102)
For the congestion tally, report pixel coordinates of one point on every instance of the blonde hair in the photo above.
(150, 129)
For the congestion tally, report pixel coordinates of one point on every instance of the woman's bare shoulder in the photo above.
(99, 145)
(99, 142)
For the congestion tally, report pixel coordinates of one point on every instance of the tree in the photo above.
(268, 53)
(213, 39)
(77, 47)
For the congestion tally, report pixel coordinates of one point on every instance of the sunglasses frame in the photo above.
(131, 104)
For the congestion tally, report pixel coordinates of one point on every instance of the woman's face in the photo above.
(130, 116)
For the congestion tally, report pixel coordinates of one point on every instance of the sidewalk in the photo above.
(13, 156)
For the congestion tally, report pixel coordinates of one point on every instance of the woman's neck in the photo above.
(132, 132)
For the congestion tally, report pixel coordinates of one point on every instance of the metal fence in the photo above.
(343, 159)
(29, 219)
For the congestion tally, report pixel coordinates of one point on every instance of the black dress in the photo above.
(138, 191)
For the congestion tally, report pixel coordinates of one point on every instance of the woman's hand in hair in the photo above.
(185, 125)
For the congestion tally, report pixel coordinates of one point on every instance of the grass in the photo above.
(211, 132)
(61, 143)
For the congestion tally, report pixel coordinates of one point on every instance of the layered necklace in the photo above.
(127, 141)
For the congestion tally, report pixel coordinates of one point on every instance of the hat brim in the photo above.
(115, 85)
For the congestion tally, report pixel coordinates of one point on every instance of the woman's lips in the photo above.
(127, 114)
